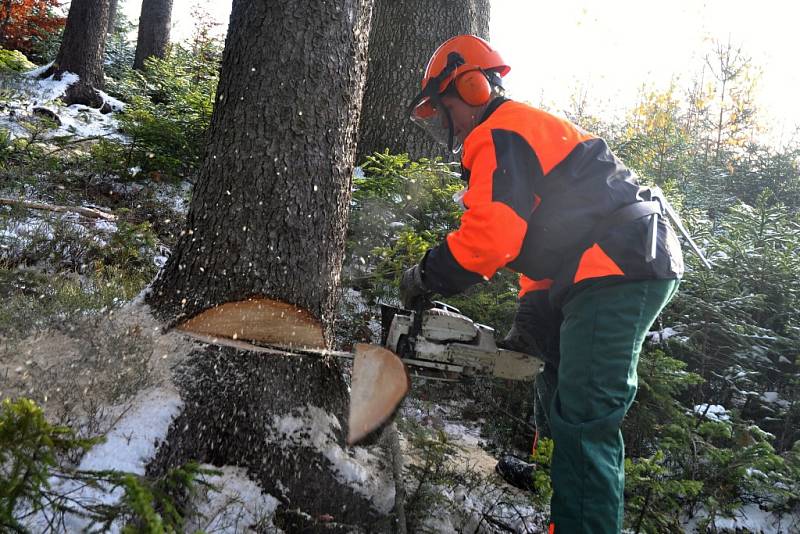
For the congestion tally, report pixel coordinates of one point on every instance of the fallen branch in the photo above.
(86, 212)
(68, 144)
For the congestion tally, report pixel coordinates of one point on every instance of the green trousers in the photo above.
(602, 332)
(588, 386)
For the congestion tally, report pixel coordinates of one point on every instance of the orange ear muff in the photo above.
(473, 87)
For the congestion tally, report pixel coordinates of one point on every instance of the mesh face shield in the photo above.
(428, 112)
(433, 117)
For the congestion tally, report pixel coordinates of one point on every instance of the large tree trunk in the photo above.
(399, 50)
(269, 210)
(153, 38)
(81, 51)
(266, 225)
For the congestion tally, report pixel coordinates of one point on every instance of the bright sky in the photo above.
(610, 48)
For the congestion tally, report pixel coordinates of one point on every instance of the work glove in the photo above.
(412, 288)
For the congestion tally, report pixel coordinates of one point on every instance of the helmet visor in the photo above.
(430, 115)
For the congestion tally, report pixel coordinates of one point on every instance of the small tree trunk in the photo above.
(112, 15)
(398, 53)
(81, 51)
(154, 25)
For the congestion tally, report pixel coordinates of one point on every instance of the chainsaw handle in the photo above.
(419, 306)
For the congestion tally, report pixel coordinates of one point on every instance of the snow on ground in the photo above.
(177, 200)
(487, 504)
(461, 433)
(486, 508)
(129, 446)
(235, 504)
(17, 235)
(772, 397)
(714, 412)
(21, 232)
(749, 518)
(45, 90)
(657, 336)
(444, 417)
(356, 467)
(77, 120)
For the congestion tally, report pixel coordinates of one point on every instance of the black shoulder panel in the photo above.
(518, 169)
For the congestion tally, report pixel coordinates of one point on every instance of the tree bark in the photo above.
(267, 221)
(268, 214)
(154, 25)
(81, 51)
(112, 15)
(399, 50)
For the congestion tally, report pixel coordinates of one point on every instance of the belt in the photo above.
(623, 215)
(653, 209)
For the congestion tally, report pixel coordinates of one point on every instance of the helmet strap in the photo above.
(431, 89)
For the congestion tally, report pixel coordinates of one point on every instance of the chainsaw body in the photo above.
(445, 342)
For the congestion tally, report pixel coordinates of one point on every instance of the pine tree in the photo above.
(154, 25)
(81, 51)
(265, 232)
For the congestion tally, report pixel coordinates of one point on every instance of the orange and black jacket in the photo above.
(539, 187)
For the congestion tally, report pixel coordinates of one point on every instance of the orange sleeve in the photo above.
(491, 232)
(527, 285)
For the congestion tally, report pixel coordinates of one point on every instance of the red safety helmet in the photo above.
(472, 66)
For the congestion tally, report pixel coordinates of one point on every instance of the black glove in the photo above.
(412, 287)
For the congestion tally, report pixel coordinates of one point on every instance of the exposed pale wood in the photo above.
(379, 383)
(86, 212)
(259, 319)
(245, 345)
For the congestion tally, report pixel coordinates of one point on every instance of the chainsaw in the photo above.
(440, 343)
(434, 339)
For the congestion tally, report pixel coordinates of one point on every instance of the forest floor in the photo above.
(74, 338)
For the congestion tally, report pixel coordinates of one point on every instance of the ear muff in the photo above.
(473, 87)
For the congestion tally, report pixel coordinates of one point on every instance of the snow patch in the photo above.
(234, 504)
(356, 467)
(105, 226)
(465, 509)
(48, 89)
(19, 234)
(131, 444)
(748, 518)
(355, 300)
(772, 397)
(714, 412)
(463, 434)
(128, 447)
(113, 103)
(77, 120)
(176, 198)
(657, 336)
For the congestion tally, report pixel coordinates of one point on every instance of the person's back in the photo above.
(563, 184)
